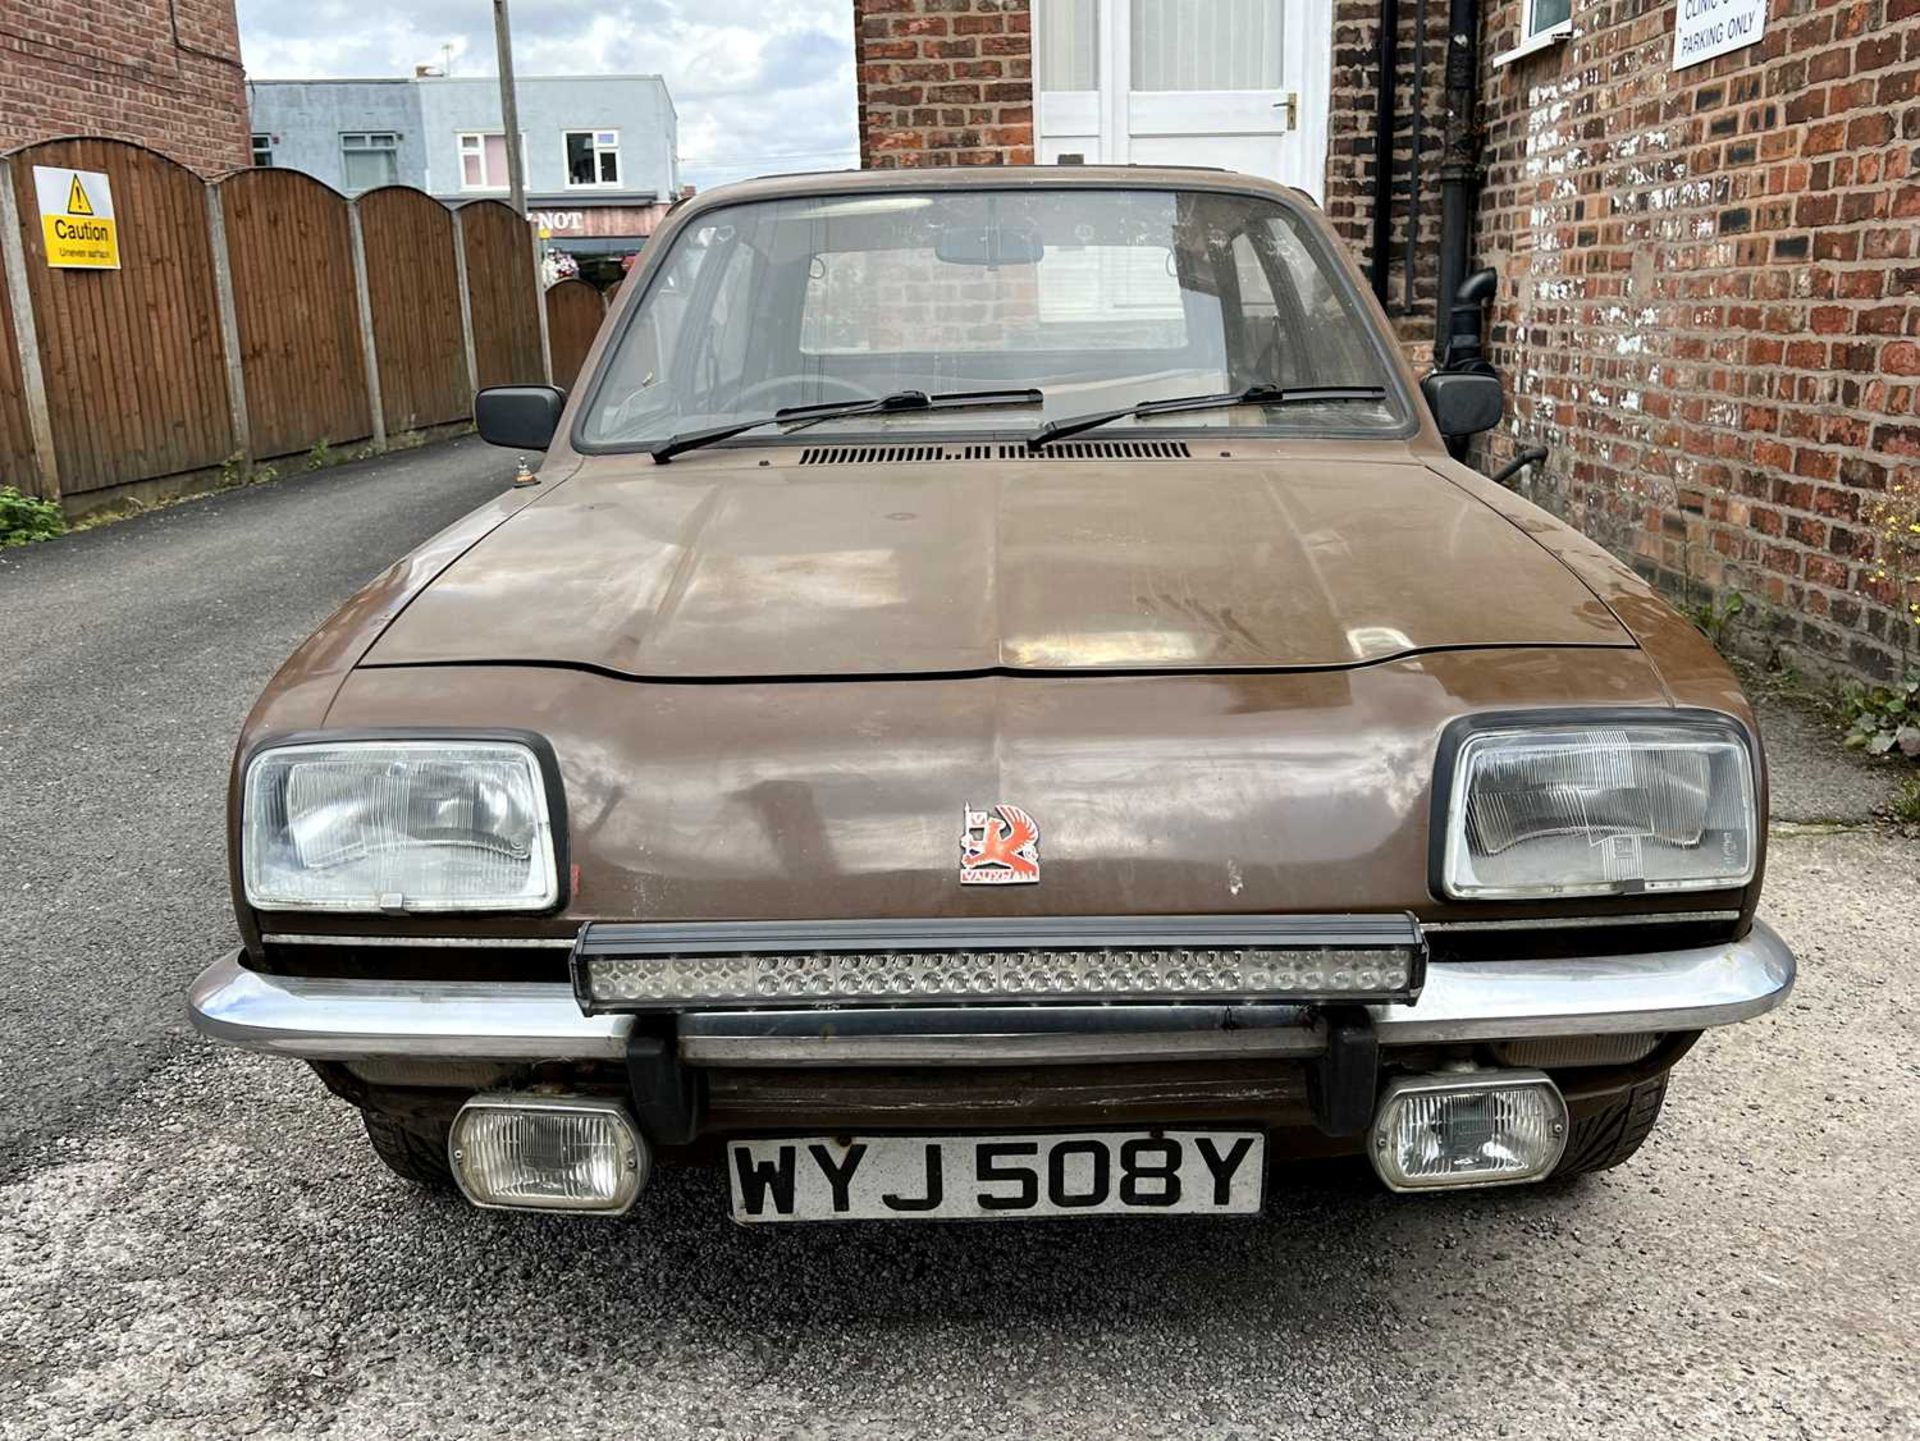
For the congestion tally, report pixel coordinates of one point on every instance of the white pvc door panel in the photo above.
(1240, 84)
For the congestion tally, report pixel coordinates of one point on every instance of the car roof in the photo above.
(995, 177)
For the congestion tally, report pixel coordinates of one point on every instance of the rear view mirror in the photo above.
(520, 417)
(1464, 402)
(988, 245)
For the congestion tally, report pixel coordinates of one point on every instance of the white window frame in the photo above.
(1533, 37)
(260, 143)
(594, 133)
(367, 147)
(479, 137)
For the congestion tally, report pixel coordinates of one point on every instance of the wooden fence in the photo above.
(261, 315)
(574, 312)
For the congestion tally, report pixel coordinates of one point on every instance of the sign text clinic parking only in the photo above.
(76, 218)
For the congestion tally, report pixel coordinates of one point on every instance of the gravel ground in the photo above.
(196, 1243)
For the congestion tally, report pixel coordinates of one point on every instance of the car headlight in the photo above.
(398, 825)
(1598, 806)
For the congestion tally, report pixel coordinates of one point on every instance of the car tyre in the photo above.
(1606, 1137)
(413, 1150)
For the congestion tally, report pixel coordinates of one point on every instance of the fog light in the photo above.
(1468, 1128)
(524, 1152)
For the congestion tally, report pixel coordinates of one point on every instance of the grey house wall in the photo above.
(310, 116)
(638, 106)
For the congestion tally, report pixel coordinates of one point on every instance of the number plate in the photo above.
(997, 1178)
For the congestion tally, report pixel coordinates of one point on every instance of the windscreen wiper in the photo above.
(795, 417)
(1253, 395)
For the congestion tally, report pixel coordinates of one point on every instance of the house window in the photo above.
(263, 150)
(483, 159)
(1545, 23)
(1546, 15)
(593, 158)
(369, 158)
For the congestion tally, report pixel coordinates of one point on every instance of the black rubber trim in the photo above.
(669, 1097)
(543, 754)
(1446, 762)
(1344, 1080)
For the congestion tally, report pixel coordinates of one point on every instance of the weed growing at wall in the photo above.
(1715, 616)
(24, 519)
(1883, 718)
(1895, 519)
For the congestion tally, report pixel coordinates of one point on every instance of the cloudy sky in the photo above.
(760, 85)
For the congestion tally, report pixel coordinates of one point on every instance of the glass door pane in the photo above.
(1207, 44)
(1067, 33)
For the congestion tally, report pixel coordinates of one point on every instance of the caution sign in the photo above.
(76, 218)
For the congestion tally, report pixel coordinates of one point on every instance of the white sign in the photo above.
(1706, 28)
(558, 219)
(76, 218)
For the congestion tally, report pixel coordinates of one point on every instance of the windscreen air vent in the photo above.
(1106, 450)
(891, 454)
(1059, 450)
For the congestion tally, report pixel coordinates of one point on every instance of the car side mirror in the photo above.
(1464, 402)
(520, 417)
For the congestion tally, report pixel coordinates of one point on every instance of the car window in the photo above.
(1101, 298)
(857, 302)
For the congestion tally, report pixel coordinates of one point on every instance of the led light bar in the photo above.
(620, 967)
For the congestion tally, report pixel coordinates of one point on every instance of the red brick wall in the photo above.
(1350, 151)
(119, 69)
(944, 82)
(1711, 302)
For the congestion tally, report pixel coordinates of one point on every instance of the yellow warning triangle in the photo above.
(77, 202)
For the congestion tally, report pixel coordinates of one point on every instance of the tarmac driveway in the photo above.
(197, 1243)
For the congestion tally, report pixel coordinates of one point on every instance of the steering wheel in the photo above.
(773, 384)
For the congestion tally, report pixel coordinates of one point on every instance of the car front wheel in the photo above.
(413, 1150)
(1607, 1135)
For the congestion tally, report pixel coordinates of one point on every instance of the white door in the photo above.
(1241, 84)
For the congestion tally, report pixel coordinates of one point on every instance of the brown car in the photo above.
(1000, 704)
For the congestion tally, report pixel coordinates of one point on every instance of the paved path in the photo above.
(195, 1243)
(128, 658)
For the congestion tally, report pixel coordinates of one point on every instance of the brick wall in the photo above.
(1350, 151)
(166, 75)
(1710, 305)
(944, 82)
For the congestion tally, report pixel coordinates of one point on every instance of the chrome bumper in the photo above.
(337, 1020)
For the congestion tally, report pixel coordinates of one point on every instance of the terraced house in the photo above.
(1703, 215)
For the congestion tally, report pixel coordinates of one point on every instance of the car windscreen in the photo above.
(1100, 298)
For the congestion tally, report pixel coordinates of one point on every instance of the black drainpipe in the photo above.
(1383, 146)
(1459, 162)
